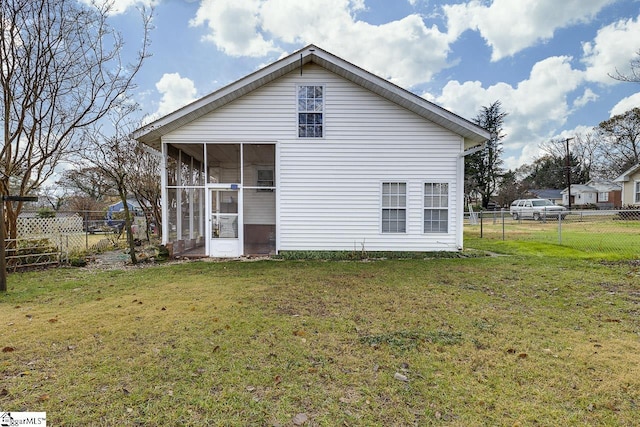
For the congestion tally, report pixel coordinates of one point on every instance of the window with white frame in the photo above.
(636, 192)
(603, 196)
(265, 179)
(436, 207)
(394, 207)
(310, 111)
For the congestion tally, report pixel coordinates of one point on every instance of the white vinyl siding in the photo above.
(328, 191)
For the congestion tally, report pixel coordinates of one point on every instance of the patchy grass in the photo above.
(589, 237)
(518, 340)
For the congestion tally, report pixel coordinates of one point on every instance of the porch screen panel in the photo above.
(259, 166)
(172, 211)
(172, 172)
(223, 163)
(192, 213)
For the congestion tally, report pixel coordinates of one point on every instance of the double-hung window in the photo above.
(310, 111)
(436, 207)
(636, 192)
(394, 207)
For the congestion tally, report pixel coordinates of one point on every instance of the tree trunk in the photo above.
(127, 225)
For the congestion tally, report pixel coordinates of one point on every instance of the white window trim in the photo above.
(265, 188)
(636, 192)
(406, 206)
(324, 111)
(448, 208)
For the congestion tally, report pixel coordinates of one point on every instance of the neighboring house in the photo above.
(547, 193)
(312, 153)
(603, 194)
(630, 181)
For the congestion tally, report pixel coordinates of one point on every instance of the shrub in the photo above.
(363, 255)
(46, 213)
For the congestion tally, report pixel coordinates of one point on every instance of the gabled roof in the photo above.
(580, 188)
(546, 193)
(626, 175)
(593, 187)
(602, 185)
(151, 133)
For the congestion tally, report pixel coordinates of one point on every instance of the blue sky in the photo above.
(547, 61)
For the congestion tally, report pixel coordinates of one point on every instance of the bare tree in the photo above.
(144, 182)
(112, 152)
(587, 150)
(53, 197)
(86, 182)
(62, 70)
(620, 141)
(584, 155)
(634, 73)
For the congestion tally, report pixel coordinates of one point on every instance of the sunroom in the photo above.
(220, 198)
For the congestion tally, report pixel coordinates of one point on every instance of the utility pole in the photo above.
(568, 169)
(3, 254)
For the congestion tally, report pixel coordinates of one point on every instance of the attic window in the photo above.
(310, 111)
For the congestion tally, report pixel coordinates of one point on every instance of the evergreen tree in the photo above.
(484, 168)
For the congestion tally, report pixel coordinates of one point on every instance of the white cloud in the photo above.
(234, 27)
(405, 50)
(509, 26)
(626, 104)
(587, 97)
(536, 107)
(531, 152)
(612, 49)
(176, 92)
(121, 6)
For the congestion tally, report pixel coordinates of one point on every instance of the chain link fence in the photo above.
(46, 241)
(592, 231)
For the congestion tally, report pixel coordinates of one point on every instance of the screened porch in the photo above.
(220, 198)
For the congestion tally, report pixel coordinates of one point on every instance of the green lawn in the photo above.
(589, 237)
(504, 340)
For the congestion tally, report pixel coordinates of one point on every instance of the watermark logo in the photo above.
(11, 419)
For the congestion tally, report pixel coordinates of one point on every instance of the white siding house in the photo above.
(630, 182)
(312, 153)
(603, 194)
